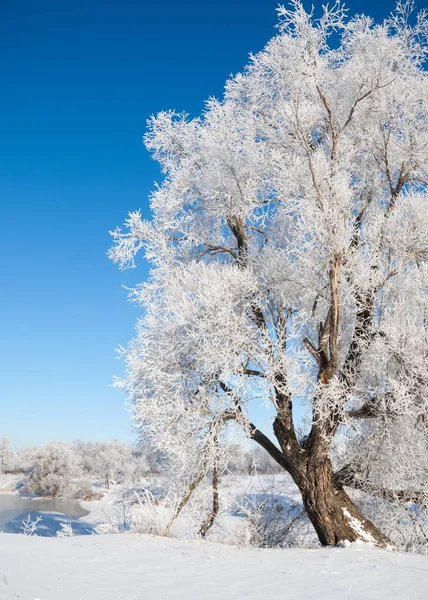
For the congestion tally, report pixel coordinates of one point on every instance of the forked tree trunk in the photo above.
(332, 513)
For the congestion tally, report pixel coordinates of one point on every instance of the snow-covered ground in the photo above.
(139, 567)
(130, 566)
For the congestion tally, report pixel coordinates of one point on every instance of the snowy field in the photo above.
(137, 567)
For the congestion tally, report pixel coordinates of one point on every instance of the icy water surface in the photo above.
(15, 509)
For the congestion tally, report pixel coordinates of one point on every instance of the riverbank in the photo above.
(10, 483)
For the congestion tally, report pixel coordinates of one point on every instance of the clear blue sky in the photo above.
(78, 79)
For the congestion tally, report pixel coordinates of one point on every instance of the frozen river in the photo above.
(14, 509)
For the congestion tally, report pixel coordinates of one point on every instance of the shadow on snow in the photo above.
(49, 525)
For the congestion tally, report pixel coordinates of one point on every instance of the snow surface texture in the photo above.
(137, 567)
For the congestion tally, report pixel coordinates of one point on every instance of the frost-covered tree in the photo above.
(113, 460)
(86, 456)
(6, 455)
(24, 459)
(54, 466)
(288, 248)
(109, 461)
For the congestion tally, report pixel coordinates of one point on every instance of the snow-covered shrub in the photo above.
(272, 525)
(106, 527)
(123, 499)
(65, 531)
(275, 518)
(154, 515)
(29, 527)
(82, 490)
(53, 468)
(138, 511)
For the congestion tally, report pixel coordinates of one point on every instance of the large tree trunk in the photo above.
(334, 516)
(332, 513)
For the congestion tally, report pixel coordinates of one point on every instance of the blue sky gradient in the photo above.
(78, 81)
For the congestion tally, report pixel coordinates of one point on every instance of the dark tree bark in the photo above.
(209, 522)
(331, 511)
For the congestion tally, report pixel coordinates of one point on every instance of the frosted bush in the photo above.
(275, 519)
(53, 468)
(104, 528)
(65, 531)
(29, 527)
(153, 515)
(82, 490)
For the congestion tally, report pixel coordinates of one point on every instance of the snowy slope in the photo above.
(134, 567)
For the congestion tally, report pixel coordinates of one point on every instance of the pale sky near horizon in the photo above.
(78, 81)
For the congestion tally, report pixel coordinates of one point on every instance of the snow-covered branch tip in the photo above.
(126, 245)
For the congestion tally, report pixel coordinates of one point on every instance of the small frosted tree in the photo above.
(86, 452)
(109, 461)
(53, 468)
(113, 460)
(24, 459)
(288, 248)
